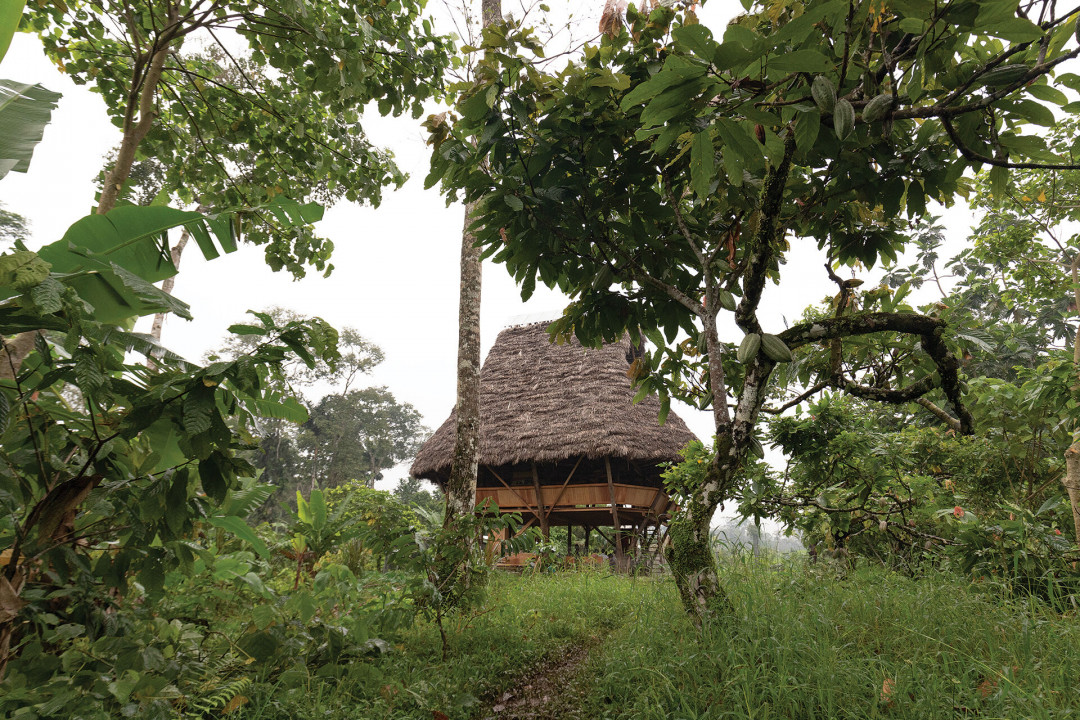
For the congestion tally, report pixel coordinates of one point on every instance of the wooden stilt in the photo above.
(619, 556)
(569, 539)
(540, 505)
(588, 531)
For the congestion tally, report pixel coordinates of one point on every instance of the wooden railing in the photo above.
(523, 498)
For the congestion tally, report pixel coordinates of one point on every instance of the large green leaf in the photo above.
(113, 259)
(131, 236)
(242, 530)
(288, 409)
(25, 110)
(10, 12)
(701, 163)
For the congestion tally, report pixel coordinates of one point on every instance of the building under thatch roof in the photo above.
(561, 440)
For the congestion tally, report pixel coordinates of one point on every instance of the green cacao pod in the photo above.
(843, 119)
(876, 108)
(824, 94)
(1004, 75)
(748, 350)
(727, 300)
(775, 348)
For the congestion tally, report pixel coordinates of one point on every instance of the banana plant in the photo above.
(315, 530)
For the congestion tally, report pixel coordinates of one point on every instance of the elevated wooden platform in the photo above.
(592, 504)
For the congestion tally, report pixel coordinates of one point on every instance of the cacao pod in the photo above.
(727, 300)
(1004, 75)
(824, 94)
(748, 350)
(775, 348)
(876, 108)
(843, 119)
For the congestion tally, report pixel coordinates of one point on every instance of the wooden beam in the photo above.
(614, 515)
(588, 531)
(524, 527)
(499, 478)
(540, 504)
(566, 482)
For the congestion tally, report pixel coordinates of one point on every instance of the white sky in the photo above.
(396, 277)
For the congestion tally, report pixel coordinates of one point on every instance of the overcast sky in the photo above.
(396, 277)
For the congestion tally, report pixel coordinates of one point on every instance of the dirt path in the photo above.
(550, 691)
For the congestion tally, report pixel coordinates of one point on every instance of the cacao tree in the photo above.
(661, 180)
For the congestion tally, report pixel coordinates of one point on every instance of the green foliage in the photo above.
(25, 110)
(349, 434)
(410, 491)
(661, 179)
(9, 23)
(358, 434)
(13, 227)
(524, 625)
(1022, 549)
(119, 480)
(988, 505)
(269, 105)
(381, 517)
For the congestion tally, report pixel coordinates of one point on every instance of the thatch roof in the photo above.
(541, 402)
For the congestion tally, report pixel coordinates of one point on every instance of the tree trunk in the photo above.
(461, 486)
(134, 131)
(690, 557)
(12, 353)
(167, 286)
(1071, 481)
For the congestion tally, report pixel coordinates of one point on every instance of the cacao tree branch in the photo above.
(941, 414)
(929, 329)
(764, 242)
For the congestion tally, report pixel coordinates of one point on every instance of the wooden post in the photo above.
(588, 531)
(569, 540)
(619, 557)
(540, 505)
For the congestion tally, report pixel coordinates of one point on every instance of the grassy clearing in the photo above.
(804, 644)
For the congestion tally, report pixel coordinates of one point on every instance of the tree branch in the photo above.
(928, 328)
(772, 200)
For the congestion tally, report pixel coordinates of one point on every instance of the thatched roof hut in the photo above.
(558, 423)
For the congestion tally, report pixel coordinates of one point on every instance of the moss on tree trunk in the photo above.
(693, 564)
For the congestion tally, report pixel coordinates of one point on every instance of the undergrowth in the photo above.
(525, 620)
(805, 642)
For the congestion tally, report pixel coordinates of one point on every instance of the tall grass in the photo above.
(872, 644)
(805, 642)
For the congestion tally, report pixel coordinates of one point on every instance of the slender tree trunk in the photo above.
(167, 286)
(1071, 481)
(461, 486)
(16, 350)
(134, 130)
(690, 555)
